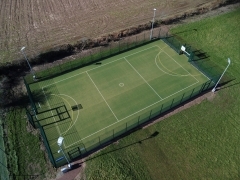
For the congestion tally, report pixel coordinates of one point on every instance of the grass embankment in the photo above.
(201, 142)
(3, 156)
(25, 157)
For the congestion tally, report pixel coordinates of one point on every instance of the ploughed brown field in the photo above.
(43, 24)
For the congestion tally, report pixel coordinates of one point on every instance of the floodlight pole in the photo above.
(154, 11)
(59, 142)
(22, 50)
(229, 61)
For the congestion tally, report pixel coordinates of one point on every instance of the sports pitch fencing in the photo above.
(94, 104)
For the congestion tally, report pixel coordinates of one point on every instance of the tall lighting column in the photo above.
(31, 70)
(154, 13)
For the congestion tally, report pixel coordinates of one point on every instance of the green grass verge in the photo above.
(199, 143)
(25, 157)
(4, 174)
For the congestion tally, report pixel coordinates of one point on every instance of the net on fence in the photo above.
(197, 58)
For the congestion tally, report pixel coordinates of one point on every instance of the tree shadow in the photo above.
(137, 142)
(22, 99)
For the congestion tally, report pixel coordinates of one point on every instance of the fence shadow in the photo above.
(137, 142)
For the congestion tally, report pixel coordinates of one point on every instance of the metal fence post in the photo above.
(201, 89)
(172, 103)
(182, 98)
(161, 109)
(150, 115)
(191, 93)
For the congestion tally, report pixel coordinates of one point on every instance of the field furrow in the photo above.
(41, 24)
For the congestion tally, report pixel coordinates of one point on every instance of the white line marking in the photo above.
(72, 112)
(178, 75)
(51, 112)
(200, 71)
(143, 78)
(100, 66)
(102, 96)
(178, 64)
(105, 100)
(133, 113)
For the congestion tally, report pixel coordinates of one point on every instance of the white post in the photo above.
(154, 10)
(59, 142)
(22, 50)
(229, 61)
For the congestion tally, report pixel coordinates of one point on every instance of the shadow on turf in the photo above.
(137, 142)
(141, 126)
(220, 86)
(21, 99)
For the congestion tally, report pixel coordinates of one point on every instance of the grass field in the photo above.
(198, 143)
(120, 93)
(3, 156)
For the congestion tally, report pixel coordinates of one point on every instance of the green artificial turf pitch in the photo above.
(100, 99)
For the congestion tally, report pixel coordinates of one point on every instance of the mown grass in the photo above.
(201, 142)
(3, 156)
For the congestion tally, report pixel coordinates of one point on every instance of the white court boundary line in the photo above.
(51, 111)
(200, 72)
(104, 98)
(178, 63)
(100, 66)
(142, 108)
(157, 58)
(143, 78)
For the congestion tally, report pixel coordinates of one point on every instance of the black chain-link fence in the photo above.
(84, 147)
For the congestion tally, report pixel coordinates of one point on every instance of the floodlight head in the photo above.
(60, 141)
(154, 9)
(23, 48)
(183, 48)
(229, 61)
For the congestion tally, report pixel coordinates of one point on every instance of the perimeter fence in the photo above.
(198, 58)
(87, 146)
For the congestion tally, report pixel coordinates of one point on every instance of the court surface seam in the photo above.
(102, 96)
(143, 78)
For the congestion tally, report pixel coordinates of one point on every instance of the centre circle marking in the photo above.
(121, 84)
